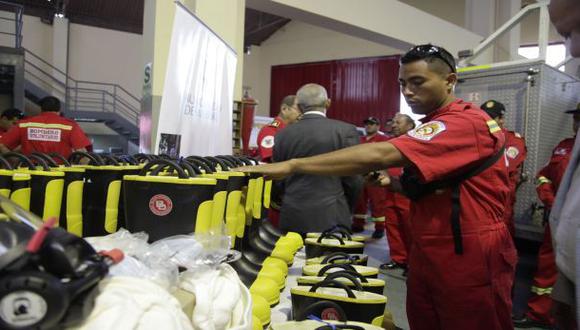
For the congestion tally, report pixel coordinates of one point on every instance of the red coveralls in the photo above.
(472, 290)
(265, 148)
(47, 132)
(397, 223)
(376, 196)
(516, 152)
(548, 181)
(266, 139)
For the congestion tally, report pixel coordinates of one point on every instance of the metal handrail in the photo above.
(54, 68)
(541, 5)
(18, 10)
(56, 80)
(90, 95)
(106, 97)
(44, 82)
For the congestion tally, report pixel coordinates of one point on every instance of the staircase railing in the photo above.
(80, 95)
(17, 9)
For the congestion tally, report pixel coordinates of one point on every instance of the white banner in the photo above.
(196, 109)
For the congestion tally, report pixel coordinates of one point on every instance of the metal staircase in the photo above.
(87, 101)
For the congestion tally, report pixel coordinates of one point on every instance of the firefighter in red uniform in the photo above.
(462, 261)
(8, 119)
(47, 132)
(397, 223)
(548, 181)
(516, 152)
(289, 114)
(373, 195)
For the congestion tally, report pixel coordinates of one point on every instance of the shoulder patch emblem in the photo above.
(493, 126)
(267, 142)
(427, 131)
(561, 152)
(512, 152)
(275, 123)
(518, 135)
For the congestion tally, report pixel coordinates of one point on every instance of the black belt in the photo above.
(416, 190)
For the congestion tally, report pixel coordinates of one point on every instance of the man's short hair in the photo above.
(12, 113)
(49, 103)
(410, 121)
(288, 101)
(311, 97)
(438, 58)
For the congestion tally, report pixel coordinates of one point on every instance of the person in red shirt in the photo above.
(289, 114)
(388, 128)
(462, 261)
(548, 181)
(375, 196)
(397, 223)
(516, 152)
(8, 118)
(47, 132)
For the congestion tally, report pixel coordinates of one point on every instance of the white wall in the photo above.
(104, 55)
(299, 42)
(95, 54)
(452, 11)
(37, 35)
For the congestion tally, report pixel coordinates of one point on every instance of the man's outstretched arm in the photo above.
(354, 160)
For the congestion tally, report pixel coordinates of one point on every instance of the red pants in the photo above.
(398, 233)
(446, 291)
(540, 303)
(509, 214)
(377, 198)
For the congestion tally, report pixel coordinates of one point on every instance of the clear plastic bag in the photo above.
(215, 250)
(181, 250)
(141, 260)
(134, 244)
(160, 261)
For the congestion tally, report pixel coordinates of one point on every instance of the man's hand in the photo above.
(378, 178)
(275, 171)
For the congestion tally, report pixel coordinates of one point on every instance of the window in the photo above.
(556, 53)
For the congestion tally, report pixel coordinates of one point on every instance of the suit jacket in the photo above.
(312, 203)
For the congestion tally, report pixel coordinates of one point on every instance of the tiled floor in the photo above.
(378, 252)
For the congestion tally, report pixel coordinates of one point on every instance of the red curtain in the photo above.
(359, 88)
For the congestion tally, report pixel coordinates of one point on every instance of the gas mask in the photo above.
(48, 277)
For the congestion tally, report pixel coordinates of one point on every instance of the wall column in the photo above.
(225, 17)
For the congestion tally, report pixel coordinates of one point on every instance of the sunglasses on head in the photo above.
(431, 50)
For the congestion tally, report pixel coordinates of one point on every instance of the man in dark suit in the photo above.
(313, 203)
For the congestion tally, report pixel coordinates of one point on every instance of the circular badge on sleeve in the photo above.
(267, 142)
(561, 152)
(512, 152)
(427, 131)
(160, 205)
